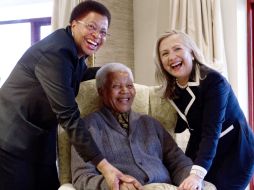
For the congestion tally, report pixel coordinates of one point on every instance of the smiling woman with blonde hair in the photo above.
(221, 142)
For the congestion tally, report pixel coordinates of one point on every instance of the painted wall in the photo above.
(119, 46)
(150, 20)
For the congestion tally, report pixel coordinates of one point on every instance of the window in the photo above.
(19, 32)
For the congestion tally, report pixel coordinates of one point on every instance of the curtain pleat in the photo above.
(61, 12)
(201, 19)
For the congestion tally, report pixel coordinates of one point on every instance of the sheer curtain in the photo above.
(201, 19)
(62, 11)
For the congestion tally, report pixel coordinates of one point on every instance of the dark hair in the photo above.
(85, 7)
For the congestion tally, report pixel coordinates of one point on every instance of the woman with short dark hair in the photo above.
(40, 94)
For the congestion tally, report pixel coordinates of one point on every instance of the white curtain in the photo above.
(61, 12)
(201, 19)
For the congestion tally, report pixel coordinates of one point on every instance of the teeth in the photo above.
(124, 99)
(92, 42)
(175, 64)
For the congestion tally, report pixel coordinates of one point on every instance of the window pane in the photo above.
(26, 9)
(45, 30)
(15, 39)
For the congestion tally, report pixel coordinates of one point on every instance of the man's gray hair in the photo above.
(102, 73)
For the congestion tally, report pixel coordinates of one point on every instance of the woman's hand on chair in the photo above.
(192, 182)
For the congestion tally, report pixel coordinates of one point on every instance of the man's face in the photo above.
(89, 33)
(118, 92)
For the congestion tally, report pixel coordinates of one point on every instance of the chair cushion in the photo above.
(164, 186)
(162, 110)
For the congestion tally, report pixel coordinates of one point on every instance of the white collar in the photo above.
(181, 114)
(197, 78)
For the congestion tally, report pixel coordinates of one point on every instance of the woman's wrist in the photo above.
(199, 171)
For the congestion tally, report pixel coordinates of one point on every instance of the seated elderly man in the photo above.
(136, 144)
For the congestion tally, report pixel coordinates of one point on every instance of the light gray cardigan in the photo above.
(147, 153)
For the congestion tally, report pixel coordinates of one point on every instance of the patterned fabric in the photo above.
(64, 156)
(164, 186)
(159, 186)
(123, 119)
(161, 109)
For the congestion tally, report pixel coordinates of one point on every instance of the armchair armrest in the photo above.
(66, 186)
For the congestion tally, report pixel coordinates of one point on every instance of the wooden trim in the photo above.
(250, 30)
(43, 21)
(35, 23)
(250, 41)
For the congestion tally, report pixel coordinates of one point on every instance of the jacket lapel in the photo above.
(111, 120)
(133, 122)
(193, 98)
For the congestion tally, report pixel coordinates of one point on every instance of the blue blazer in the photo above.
(40, 93)
(221, 140)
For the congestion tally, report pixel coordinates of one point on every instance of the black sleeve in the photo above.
(90, 73)
(58, 64)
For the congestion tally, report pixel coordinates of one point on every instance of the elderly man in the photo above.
(136, 144)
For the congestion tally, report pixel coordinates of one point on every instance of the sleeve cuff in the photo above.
(199, 171)
(97, 159)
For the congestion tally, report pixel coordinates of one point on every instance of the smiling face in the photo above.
(118, 92)
(176, 58)
(87, 40)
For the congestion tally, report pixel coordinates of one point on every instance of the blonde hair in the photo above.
(162, 76)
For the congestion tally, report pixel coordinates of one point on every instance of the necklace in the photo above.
(181, 86)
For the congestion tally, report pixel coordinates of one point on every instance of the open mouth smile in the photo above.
(176, 65)
(123, 100)
(92, 44)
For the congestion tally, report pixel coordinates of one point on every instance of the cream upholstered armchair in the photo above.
(147, 101)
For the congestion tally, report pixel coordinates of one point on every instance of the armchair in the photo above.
(147, 101)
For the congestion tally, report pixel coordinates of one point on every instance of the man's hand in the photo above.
(114, 177)
(193, 182)
(127, 186)
(130, 186)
